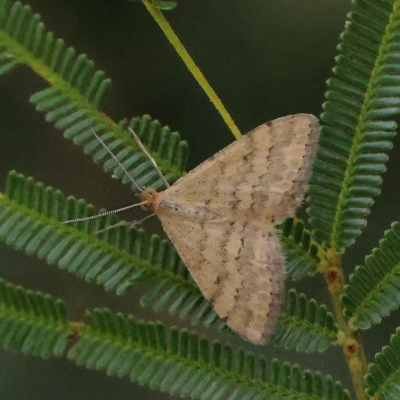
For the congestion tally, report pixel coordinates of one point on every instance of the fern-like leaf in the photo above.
(383, 379)
(182, 364)
(30, 220)
(75, 95)
(164, 5)
(304, 325)
(33, 323)
(178, 362)
(300, 251)
(374, 288)
(357, 129)
(23, 40)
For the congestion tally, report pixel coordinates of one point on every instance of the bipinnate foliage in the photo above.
(181, 363)
(72, 101)
(176, 361)
(383, 376)
(33, 323)
(374, 289)
(357, 132)
(31, 218)
(164, 5)
(300, 250)
(305, 326)
(358, 126)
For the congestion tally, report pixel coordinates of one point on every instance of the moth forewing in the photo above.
(221, 218)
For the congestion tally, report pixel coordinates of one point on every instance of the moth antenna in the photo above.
(117, 161)
(139, 142)
(124, 223)
(104, 213)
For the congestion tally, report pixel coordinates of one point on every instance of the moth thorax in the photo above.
(148, 197)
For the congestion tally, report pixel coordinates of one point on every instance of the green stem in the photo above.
(348, 338)
(193, 68)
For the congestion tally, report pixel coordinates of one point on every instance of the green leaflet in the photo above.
(374, 288)
(161, 4)
(30, 220)
(23, 40)
(73, 100)
(384, 377)
(164, 5)
(178, 362)
(181, 363)
(31, 322)
(301, 254)
(354, 142)
(30, 216)
(304, 325)
(357, 129)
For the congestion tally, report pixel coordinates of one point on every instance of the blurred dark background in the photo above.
(265, 59)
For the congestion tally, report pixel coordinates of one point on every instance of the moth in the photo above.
(222, 216)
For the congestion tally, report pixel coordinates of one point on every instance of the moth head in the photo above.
(148, 197)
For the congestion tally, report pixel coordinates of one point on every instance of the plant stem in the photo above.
(349, 339)
(193, 68)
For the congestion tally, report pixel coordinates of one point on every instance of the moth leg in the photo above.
(124, 223)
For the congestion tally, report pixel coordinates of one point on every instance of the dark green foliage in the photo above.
(33, 323)
(30, 216)
(384, 376)
(304, 326)
(75, 95)
(301, 254)
(24, 40)
(170, 152)
(357, 133)
(181, 363)
(374, 288)
(164, 5)
(358, 129)
(166, 148)
(11, 23)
